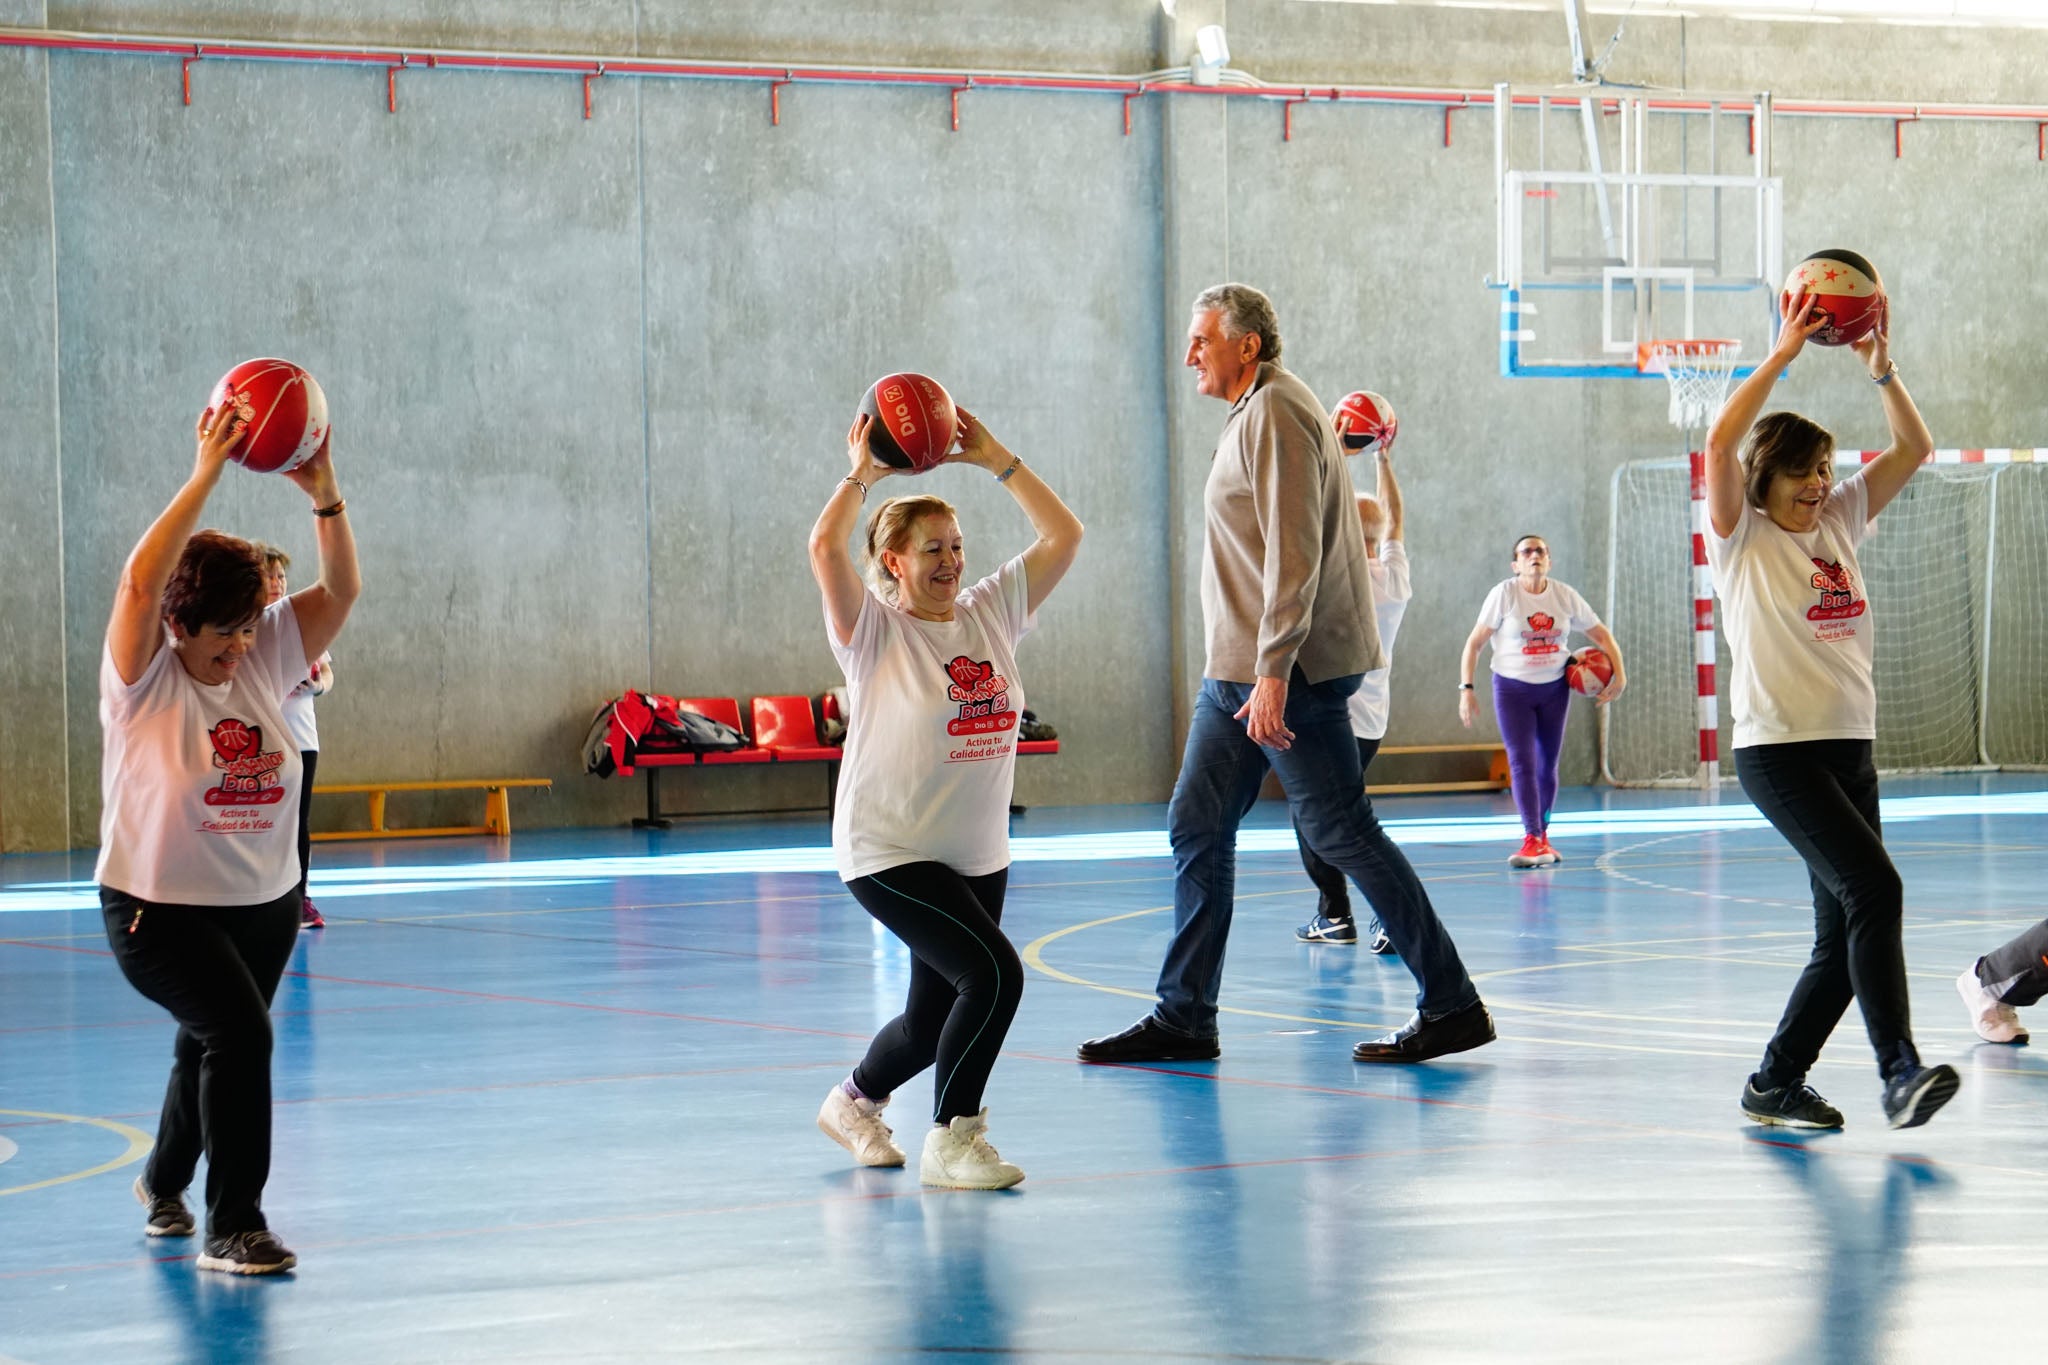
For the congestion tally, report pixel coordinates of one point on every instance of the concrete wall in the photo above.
(591, 378)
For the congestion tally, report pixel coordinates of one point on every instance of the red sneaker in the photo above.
(1533, 853)
(1551, 853)
(310, 916)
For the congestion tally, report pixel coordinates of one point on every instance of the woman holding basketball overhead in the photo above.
(921, 833)
(198, 867)
(1782, 545)
(1529, 617)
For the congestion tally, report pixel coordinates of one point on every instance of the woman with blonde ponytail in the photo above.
(921, 833)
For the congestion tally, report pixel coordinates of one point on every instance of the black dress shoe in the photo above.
(1148, 1040)
(1422, 1039)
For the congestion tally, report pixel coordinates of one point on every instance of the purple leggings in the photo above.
(1531, 718)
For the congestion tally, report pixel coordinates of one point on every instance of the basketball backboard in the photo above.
(1626, 215)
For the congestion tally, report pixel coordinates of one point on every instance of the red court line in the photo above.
(498, 998)
(821, 1201)
(373, 1097)
(275, 1014)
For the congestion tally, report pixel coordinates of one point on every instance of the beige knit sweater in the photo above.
(1284, 578)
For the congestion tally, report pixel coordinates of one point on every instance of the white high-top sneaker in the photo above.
(857, 1126)
(1994, 1020)
(958, 1157)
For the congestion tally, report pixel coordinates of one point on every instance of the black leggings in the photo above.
(1332, 900)
(310, 759)
(964, 985)
(1822, 796)
(215, 968)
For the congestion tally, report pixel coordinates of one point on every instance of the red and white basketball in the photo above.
(1589, 671)
(1845, 288)
(914, 421)
(1365, 421)
(283, 411)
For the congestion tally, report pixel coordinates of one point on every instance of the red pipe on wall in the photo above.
(1130, 87)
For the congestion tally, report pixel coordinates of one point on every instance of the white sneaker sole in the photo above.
(226, 1266)
(1779, 1121)
(887, 1160)
(940, 1179)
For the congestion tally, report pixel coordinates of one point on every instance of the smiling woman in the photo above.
(1782, 542)
(921, 832)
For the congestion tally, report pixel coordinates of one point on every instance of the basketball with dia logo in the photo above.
(914, 421)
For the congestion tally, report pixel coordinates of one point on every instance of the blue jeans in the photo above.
(1220, 775)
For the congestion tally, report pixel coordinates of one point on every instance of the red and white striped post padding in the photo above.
(283, 412)
(1703, 629)
(1988, 455)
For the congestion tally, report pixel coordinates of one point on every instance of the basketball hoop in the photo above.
(1699, 371)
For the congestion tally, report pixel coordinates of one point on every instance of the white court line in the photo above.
(1117, 846)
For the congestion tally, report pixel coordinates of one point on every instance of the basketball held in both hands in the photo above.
(1365, 422)
(914, 421)
(1845, 290)
(282, 410)
(1588, 672)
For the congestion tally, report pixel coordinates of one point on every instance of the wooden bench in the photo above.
(1496, 768)
(497, 810)
(783, 732)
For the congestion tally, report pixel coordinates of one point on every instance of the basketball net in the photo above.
(1699, 372)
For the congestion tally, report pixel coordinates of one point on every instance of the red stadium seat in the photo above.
(783, 726)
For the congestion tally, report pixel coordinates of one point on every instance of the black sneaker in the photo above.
(1378, 941)
(1148, 1040)
(1912, 1096)
(1788, 1106)
(1323, 929)
(168, 1216)
(247, 1253)
(1421, 1039)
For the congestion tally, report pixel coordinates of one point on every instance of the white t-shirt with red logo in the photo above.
(1531, 630)
(1798, 623)
(931, 741)
(199, 783)
(1390, 593)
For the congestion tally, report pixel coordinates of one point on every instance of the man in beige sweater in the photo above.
(1288, 609)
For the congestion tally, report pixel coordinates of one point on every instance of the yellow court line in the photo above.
(138, 1147)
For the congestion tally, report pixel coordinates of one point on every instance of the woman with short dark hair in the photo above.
(198, 868)
(1782, 545)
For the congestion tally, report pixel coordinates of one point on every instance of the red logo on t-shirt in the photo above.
(248, 774)
(1838, 599)
(1542, 636)
(984, 697)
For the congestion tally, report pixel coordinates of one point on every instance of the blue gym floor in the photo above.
(553, 1100)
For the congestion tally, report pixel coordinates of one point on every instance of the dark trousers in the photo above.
(1531, 717)
(1332, 900)
(215, 968)
(1221, 771)
(311, 759)
(965, 983)
(2018, 972)
(1822, 796)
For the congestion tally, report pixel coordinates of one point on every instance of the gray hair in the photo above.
(1244, 309)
